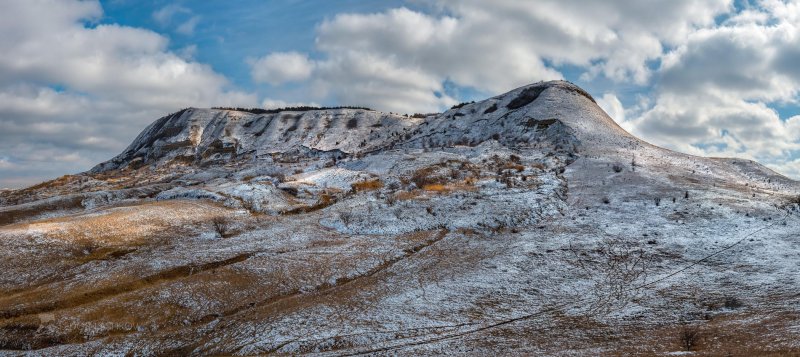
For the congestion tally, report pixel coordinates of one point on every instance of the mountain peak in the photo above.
(557, 114)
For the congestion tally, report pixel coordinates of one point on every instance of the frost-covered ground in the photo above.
(526, 224)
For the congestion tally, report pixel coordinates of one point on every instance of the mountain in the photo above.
(527, 223)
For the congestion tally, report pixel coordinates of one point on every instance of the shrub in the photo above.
(281, 177)
(221, 226)
(732, 303)
(424, 177)
(391, 199)
(290, 190)
(352, 123)
(346, 217)
(617, 168)
(606, 200)
(689, 338)
(459, 105)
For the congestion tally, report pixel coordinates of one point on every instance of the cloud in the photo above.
(789, 168)
(375, 82)
(611, 105)
(187, 27)
(167, 14)
(188, 52)
(164, 15)
(281, 67)
(5, 164)
(739, 127)
(74, 94)
(493, 47)
(714, 91)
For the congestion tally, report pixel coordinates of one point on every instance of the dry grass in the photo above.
(446, 176)
(435, 187)
(512, 166)
(539, 166)
(369, 185)
(61, 181)
(123, 225)
(755, 333)
(326, 200)
(426, 176)
(407, 195)
(114, 305)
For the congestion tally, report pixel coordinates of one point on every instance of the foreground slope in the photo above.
(528, 223)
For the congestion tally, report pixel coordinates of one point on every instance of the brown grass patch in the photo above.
(466, 185)
(435, 187)
(407, 195)
(124, 225)
(61, 181)
(446, 176)
(425, 176)
(513, 166)
(368, 185)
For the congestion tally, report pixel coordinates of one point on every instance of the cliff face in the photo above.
(528, 223)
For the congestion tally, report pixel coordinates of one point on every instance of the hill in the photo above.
(527, 223)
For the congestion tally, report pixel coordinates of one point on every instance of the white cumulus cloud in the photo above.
(400, 59)
(72, 95)
(716, 91)
(281, 67)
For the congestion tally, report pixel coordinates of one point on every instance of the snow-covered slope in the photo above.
(529, 223)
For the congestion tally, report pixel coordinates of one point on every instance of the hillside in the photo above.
(528, 223)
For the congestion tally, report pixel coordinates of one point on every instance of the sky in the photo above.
(80, 79)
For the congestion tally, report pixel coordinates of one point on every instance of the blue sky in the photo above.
(225, 35)
(80, 79)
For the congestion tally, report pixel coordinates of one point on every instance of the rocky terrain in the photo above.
(527, 224)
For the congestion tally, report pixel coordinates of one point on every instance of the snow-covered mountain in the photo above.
(207, 136)
(527, 223)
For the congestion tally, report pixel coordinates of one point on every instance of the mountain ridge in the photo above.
(229, 127)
